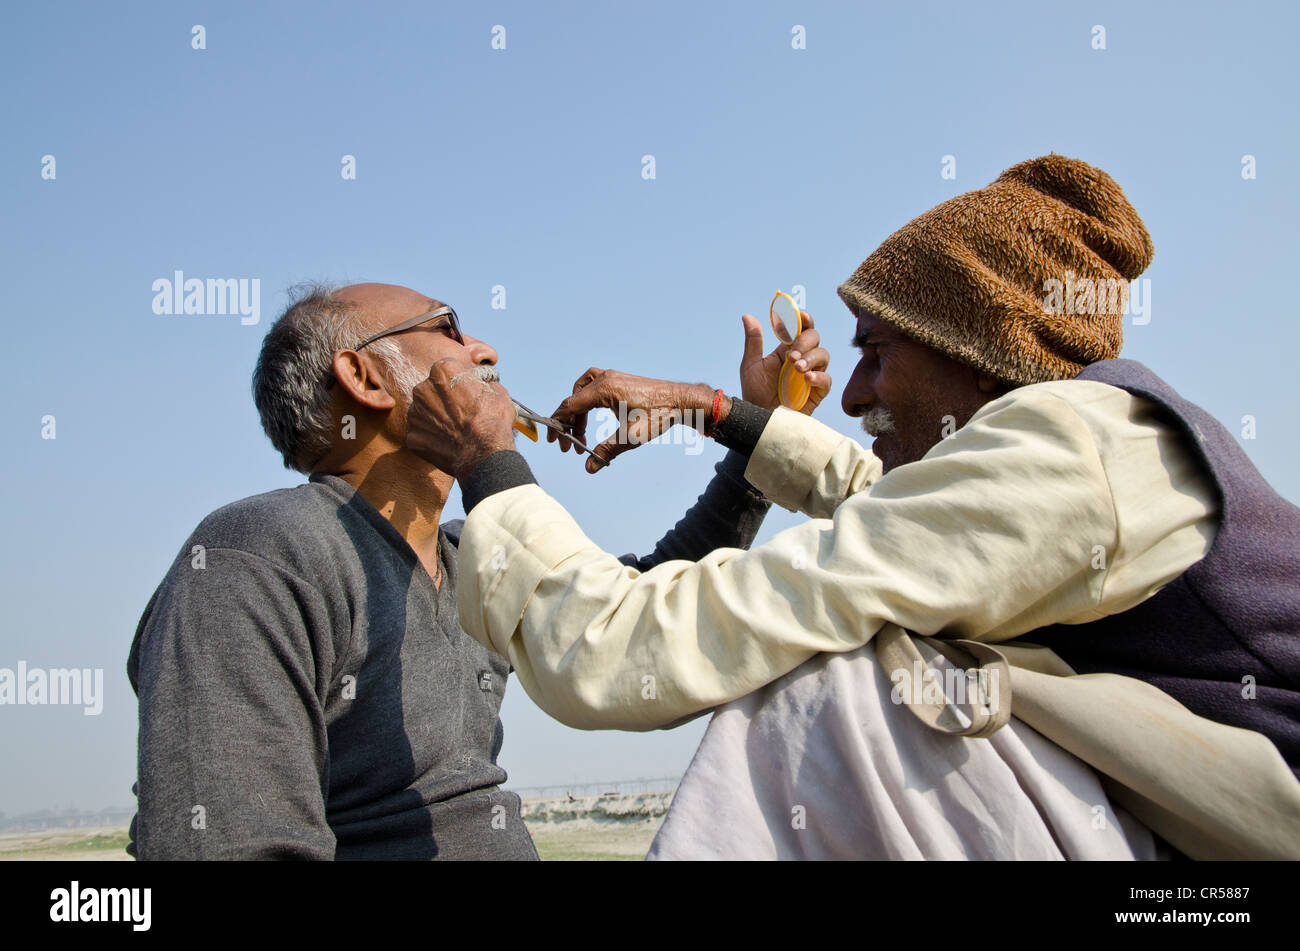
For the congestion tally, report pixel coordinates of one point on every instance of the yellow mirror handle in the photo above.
(792, 388)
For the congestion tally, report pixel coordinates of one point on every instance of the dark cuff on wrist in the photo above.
(733, 466)
(741, 430)
(500, 471)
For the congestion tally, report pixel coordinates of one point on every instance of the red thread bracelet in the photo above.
(713, 416)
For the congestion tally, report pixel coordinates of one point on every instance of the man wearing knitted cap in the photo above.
(1052, 614)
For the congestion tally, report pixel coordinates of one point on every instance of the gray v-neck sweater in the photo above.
(306, 692)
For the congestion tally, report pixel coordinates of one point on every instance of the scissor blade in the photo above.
(551, 422)
(548, 421)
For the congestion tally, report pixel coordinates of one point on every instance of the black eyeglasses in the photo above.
(453, 323)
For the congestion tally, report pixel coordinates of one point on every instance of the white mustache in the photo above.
(877, 421)
(484, 372)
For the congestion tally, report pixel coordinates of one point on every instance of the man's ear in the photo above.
(987, 384)
(354, 373)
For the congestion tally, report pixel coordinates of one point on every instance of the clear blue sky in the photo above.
(522, 167)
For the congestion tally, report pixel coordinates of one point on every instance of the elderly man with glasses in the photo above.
(305, 687)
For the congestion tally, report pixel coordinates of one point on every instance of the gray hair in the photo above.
(291, 383)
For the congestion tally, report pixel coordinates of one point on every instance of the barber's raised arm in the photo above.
(805, 466)
(647, 407)
(598, 644)
(801, 464)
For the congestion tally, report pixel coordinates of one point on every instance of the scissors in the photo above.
(524, 423)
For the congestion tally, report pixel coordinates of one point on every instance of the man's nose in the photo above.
(480, 352)
(857, 394)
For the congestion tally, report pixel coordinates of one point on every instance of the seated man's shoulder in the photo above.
(1139, 443)
(1109, 412)
(1073, 414)
(1066, 395)
(282, 535)
(288, 527)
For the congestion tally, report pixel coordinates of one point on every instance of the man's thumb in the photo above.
(753, 339)
(606, 452)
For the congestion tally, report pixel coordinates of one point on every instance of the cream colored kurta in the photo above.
(1058, 503)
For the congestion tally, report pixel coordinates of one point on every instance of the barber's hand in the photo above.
(457, 418)
(759, 374)
(645, 408)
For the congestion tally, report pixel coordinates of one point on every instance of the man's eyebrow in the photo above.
(860, 338)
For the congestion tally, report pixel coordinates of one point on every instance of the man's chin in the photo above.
(884, 449)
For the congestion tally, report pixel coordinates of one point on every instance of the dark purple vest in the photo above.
(1233, 615)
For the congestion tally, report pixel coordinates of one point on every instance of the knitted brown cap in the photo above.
(1025, 280)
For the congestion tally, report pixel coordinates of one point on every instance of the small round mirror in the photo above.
(786, 323)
